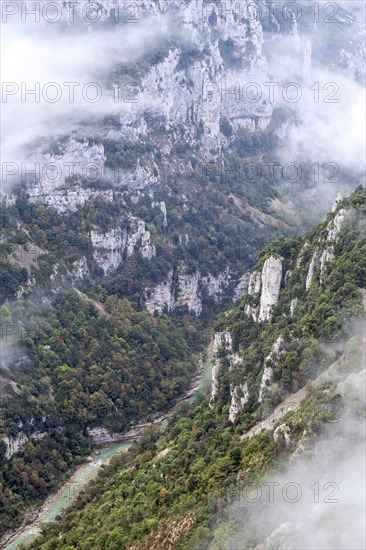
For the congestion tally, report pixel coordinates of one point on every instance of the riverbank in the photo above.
(68, 492)
(62, 498)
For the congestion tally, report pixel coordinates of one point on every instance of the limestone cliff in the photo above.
(266, 286)
(109, 246)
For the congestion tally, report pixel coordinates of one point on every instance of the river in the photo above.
(60, 500)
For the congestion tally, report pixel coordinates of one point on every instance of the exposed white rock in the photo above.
(80, 268)
(271, 359)
(221, 339)
(255, 281)
(254, 287)
(266, 379)
(139, 238)
(301, 255)
(284, 430)
(8, 198)
(239, 394)
(50, 176)
(217, 342)
(38, 436)
(216, 285)
(241, 287)
(251, 311)
(161, 296)
(239, 397)
(321, 258)
(337, 200)
(14, 444)
(293, 305)
(336, 225)
(312, 268)
(108, 247)
(271, 285)
(326, 257)
(287, 276)
(135, 180)
(334, 228)
(100, 435)
(186, 292)
(173, 94)
(163, 209)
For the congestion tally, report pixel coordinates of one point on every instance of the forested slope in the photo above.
(175, 489)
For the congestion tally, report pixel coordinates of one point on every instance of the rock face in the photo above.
(239, 397)
(138, 238)
(17, 444)
(337, 201)
(266, 286)
(293, 305)
(241, 287)
(255, 281)
(163, 209)
(239, 393)
(324, 252)
(80, 269)
(51, 182)
(189, 89)
(171, 294)
(109, 246)
(14, 444)
(187, 290)
(312, 268)
(271, 359)
(284, 430)
(271, 285)
(254, 288)
(221, 339)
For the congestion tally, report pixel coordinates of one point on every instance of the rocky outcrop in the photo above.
(337, 202)
(239, 397)
(312, 268)
(283, 431)
(15, 444)
(254, 288)
(55, 179)
(110, 246)
(138, 238)
(255, 281)
(198, 89)
(163, 209)
(216, 285)
(324, 252)
(239, 393)
(264, 286)
(271, 285)
(267, 375)
(80, 268)
(171, 294)
(187, 293)
(221, 339)
(187, 290)
(293, 305)
(241, 287)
